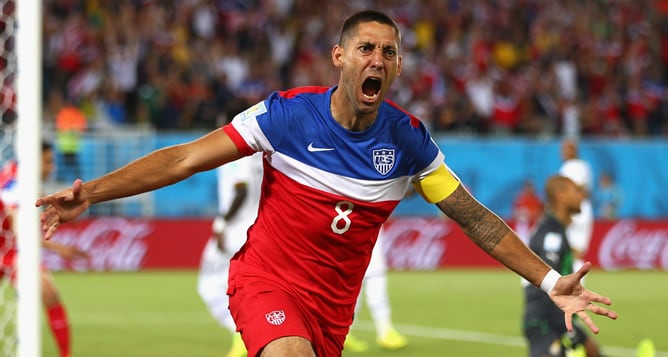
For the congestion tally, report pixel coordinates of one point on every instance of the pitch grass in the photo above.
(159, 314)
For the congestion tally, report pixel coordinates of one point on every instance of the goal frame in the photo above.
(28, 81)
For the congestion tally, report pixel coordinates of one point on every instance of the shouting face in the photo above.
(369, 61)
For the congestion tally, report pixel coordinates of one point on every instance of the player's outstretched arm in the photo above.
(157, 169)
(571, 297)
(494, 236)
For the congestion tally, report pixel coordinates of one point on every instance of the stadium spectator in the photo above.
(527, 208)
(70, 123)
(56, 314)
(338, 161)
(582, 49)
(543, 323)
(608, 197)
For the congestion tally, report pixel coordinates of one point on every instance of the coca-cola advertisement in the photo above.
(123, 244)
(432, 243)
(410, 243)
(630, 244)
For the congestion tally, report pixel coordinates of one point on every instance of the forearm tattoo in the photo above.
(483, 227)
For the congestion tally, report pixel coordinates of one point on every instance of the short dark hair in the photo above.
(351, 23)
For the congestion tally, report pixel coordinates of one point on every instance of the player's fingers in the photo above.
(584, 269)
(50, 231)
(569, 321)
(600, 310)
(45, 201)
(77, 186)
(588, 321)
(594, 297)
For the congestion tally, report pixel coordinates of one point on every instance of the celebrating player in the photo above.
(337, 161)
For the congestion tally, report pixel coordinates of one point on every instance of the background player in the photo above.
(55, 309)
(582, 225)
(543, 322)
(374, 289)
(239, 187)
(338, 161)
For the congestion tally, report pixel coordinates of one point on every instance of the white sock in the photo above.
(379, 303)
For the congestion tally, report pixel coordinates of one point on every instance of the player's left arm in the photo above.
(498, 240)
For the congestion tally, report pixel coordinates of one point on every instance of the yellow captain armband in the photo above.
(437, 185)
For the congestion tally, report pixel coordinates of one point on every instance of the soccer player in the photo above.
(55, 310)
(337, 160)
(238, 197)
(374, 289)
(543, 322)
(580, 229)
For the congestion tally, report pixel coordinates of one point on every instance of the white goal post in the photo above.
(28, 149)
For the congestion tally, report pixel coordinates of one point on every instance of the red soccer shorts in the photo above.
(8, 265)
(263, 312)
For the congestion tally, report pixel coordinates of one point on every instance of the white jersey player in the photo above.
(580, 230)
(239, 187)
(374, 289)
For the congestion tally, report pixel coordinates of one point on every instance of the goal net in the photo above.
(8, 306)
(20, 137)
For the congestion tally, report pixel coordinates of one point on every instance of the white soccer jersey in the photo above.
(247, 170)
(579, 171)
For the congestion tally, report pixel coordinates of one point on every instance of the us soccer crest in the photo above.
(275, 317)
(383, 160)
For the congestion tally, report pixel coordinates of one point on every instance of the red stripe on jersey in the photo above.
(415, 122)
(241, 144)
(299, 90)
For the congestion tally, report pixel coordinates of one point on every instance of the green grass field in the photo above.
(443, 313)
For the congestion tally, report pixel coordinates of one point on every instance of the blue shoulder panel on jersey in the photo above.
(298, 123)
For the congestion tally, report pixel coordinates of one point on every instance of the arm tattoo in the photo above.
(483, 227)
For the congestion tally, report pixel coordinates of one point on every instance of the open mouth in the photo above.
(371, 88)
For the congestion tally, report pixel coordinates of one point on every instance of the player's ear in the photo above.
(399, 65)
(337, 56)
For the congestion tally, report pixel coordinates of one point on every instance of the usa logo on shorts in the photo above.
(275, 317)
(383, 160)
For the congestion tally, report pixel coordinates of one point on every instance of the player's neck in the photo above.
(562, 215)
(344, 112)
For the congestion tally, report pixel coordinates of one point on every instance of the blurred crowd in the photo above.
(471, 67)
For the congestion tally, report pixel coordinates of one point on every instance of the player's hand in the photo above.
(571, 297)
(62, 207)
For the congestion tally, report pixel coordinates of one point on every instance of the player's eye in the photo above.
(366, 48)
(390, 53)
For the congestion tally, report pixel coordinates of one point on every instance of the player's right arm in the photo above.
(157, 169)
